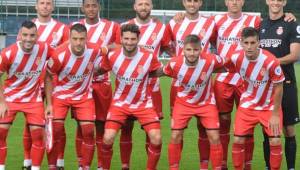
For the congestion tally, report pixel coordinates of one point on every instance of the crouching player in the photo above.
(195, 97)
(261, 101)
(131, 66)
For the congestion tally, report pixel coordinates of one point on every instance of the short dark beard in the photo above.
(143, 18)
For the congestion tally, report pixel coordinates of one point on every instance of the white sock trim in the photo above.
(27, 162)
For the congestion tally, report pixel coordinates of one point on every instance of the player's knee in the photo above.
(275, 141)
(155, 137)
(289, 131)
(225, 116)
(109, 137)
(213, 137)
(176, 137)
(239, 140)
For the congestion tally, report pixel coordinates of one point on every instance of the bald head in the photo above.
(143, 9)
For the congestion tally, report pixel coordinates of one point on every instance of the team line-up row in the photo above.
(257, 74)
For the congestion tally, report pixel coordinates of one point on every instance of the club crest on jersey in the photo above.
(202, 33)
(203, 76)
(140, 69)
(90, 66)
(102, 37)
(262, 71)
(38, 61)
(50, 62)
(279, 30)
(154, 36)
(263, 31)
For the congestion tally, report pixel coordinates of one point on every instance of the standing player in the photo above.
(193, 23)
(24, 63)
(194, 98)
(152, 38)
(73, 65)
(102, 32)
(282, 39)
(132, 65)
(228, 86)
(261, 100)
(53, 33)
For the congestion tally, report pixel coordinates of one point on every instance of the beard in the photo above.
(129, 50)
(143, 17)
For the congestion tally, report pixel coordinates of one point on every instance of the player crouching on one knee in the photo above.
(195, 97)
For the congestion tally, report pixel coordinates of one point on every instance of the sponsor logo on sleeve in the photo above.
(278, 71)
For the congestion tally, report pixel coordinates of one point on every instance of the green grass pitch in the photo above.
(190, 156)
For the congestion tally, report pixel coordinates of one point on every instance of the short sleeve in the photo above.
(166, 38)
(104, 63)
(155, 64)
(219, 63)
(66, 33)
(3, 63)
(295, 33)
(115, 37)
(276, 73)
(118, 35)
(53, 64)
(229, 65)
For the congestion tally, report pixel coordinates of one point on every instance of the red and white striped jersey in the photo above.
(24, 71)
(195, 85)
(54, 32)
(228, 37)
(152, 37)
(259, 78)
(132, 74)
(203, 27)
(102, 33)
(73, 73)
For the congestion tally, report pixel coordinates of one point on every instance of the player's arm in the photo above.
(157, 73)
(48, 93)
(3, 106)
(274, 123)
(292, 56)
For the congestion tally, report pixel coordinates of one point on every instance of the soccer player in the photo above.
(228, 86)
(103, 33)
(53, 33)
(195, 97)
(23, 62)
(193, 23)
(261, 101)
(131, 65)
(282, 39)
(73, 65)
(152, 38)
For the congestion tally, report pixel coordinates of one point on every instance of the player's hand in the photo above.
(289, 17)
(49, 111)
(3, 110)
(274, 125)
(179, 17)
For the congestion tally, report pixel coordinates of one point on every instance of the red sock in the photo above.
(107, 153)
(99, 139)
(238, 156)
(88, 144)
(174, 155)
(147, 143)
(62, 144)
(52, 155)
(216, 156)
(225, 138)
(3, 146)
(78, 143)
(275, 156)
(204, 148)
(249, 147)
(27, 142)
(126, 144)
(38, 146)
(153, 156)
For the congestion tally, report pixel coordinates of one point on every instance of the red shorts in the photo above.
(117, 116)
(173, 94)
(33, 111)
(182, 114)
(102, 94)
(83, 110)
(226, 94)
(157, 103)
(246, 120)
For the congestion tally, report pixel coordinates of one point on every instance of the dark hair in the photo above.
(249, 32)
(78, 28)
(130, 28)
(85, 0)
(28, 24)
(192, 39)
